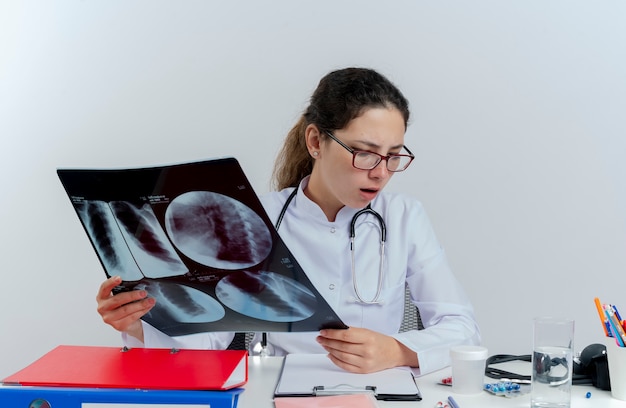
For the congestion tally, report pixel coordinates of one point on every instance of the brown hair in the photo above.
(340, 96)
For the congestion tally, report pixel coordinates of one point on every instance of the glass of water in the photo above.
(553, 348)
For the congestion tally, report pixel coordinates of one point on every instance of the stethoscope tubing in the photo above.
(383, 239)
(381, 222)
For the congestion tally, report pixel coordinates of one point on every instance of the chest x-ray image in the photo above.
(217, 231)
(196, 238)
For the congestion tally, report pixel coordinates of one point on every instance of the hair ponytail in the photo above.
(293, 162)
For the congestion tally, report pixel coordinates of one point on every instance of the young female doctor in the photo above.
(335, 164)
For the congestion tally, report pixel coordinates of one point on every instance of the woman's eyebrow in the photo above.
(374, 145)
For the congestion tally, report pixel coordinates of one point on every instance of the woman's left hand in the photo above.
(365, 351)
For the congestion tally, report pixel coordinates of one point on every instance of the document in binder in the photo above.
(315, 375)
(137, 368)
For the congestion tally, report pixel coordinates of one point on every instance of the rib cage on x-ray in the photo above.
(147, 241)
(108, 240)
(130, 240)
(181, 303)
(217, 231)
(266, 295)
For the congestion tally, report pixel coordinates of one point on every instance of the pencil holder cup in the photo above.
(468, 369)
(616, 357)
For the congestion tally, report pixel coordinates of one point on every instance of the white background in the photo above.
(518, 127)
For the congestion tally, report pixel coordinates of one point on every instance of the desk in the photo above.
(264, 372)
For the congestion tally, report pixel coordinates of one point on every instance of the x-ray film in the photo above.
(196, 238)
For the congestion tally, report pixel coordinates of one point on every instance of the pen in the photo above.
(603, 319)
(453, 403)
(616, 326)
(617, 313)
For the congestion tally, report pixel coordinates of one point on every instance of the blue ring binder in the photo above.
(67, 397)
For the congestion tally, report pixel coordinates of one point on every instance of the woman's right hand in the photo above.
(123, 311)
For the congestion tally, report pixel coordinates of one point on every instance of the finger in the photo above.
(107, 287)
(124, 298)
(121, 299)
(335, 334)
(354, 335)
(344, 340)
(349, 353)
(355, 364)
(138, 307)
(125, 315)
(341, 363)
(334, 345)
(127, 322)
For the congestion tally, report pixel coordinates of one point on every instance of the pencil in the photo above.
(616, 326)
(602, 315)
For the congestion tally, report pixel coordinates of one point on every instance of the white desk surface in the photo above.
(264, 372)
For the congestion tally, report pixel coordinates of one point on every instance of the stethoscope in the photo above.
(383, 238)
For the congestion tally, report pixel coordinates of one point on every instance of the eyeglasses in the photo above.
(365, 160)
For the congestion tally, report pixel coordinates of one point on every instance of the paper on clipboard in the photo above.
(331, 401)
(315, 374)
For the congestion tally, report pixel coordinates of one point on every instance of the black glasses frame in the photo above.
(355, 152)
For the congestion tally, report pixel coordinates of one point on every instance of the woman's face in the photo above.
(334, 181)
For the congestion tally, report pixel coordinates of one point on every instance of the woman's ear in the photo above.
(313, 139)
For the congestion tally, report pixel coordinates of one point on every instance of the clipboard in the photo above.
(310, 375)
(137, 368)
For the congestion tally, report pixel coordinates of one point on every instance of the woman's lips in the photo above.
(369, 194)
